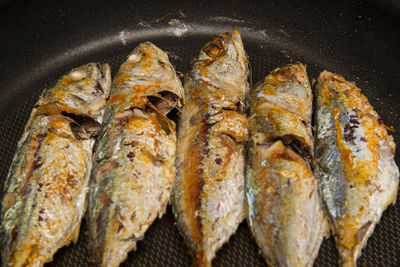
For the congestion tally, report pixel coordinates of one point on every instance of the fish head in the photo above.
(223, 64)
(147, 77)
(288, 87)
(82, 92)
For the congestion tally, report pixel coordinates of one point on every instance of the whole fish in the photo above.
(208, 197)
(354, 162)
(284, 209)
(133, 168)
(45, 190)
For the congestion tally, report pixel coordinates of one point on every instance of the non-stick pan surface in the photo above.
(41, 40)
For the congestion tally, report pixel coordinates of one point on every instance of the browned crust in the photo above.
(193, 186)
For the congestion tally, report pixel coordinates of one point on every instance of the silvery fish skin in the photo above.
(208, 199)
(46, 186)
(284, 208)
(133, 168)
(354, 162)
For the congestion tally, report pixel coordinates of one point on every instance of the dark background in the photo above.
(41, 40)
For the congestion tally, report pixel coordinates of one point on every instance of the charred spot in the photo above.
(354, 119)
(215, 48)
(14, 235)
(120, 226)
(40, 137)
(130, 156)
(205, 151)
(203, 136)
(350, 128)
(105, 200)
(80, 99)
(37, 162)
(83, 126)
(40, 187)
(218, 161)
(311, 194)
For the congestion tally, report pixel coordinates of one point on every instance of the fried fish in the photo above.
(208, 198)
(45, 190)
(284, 208)
(354, 162)
(133, 168)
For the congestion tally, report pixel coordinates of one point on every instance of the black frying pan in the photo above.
(41, 40)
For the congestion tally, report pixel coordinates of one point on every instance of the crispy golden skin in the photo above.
(354, 162)
(46, 186)
(284, 208)
(208, 197)
(134, 162)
